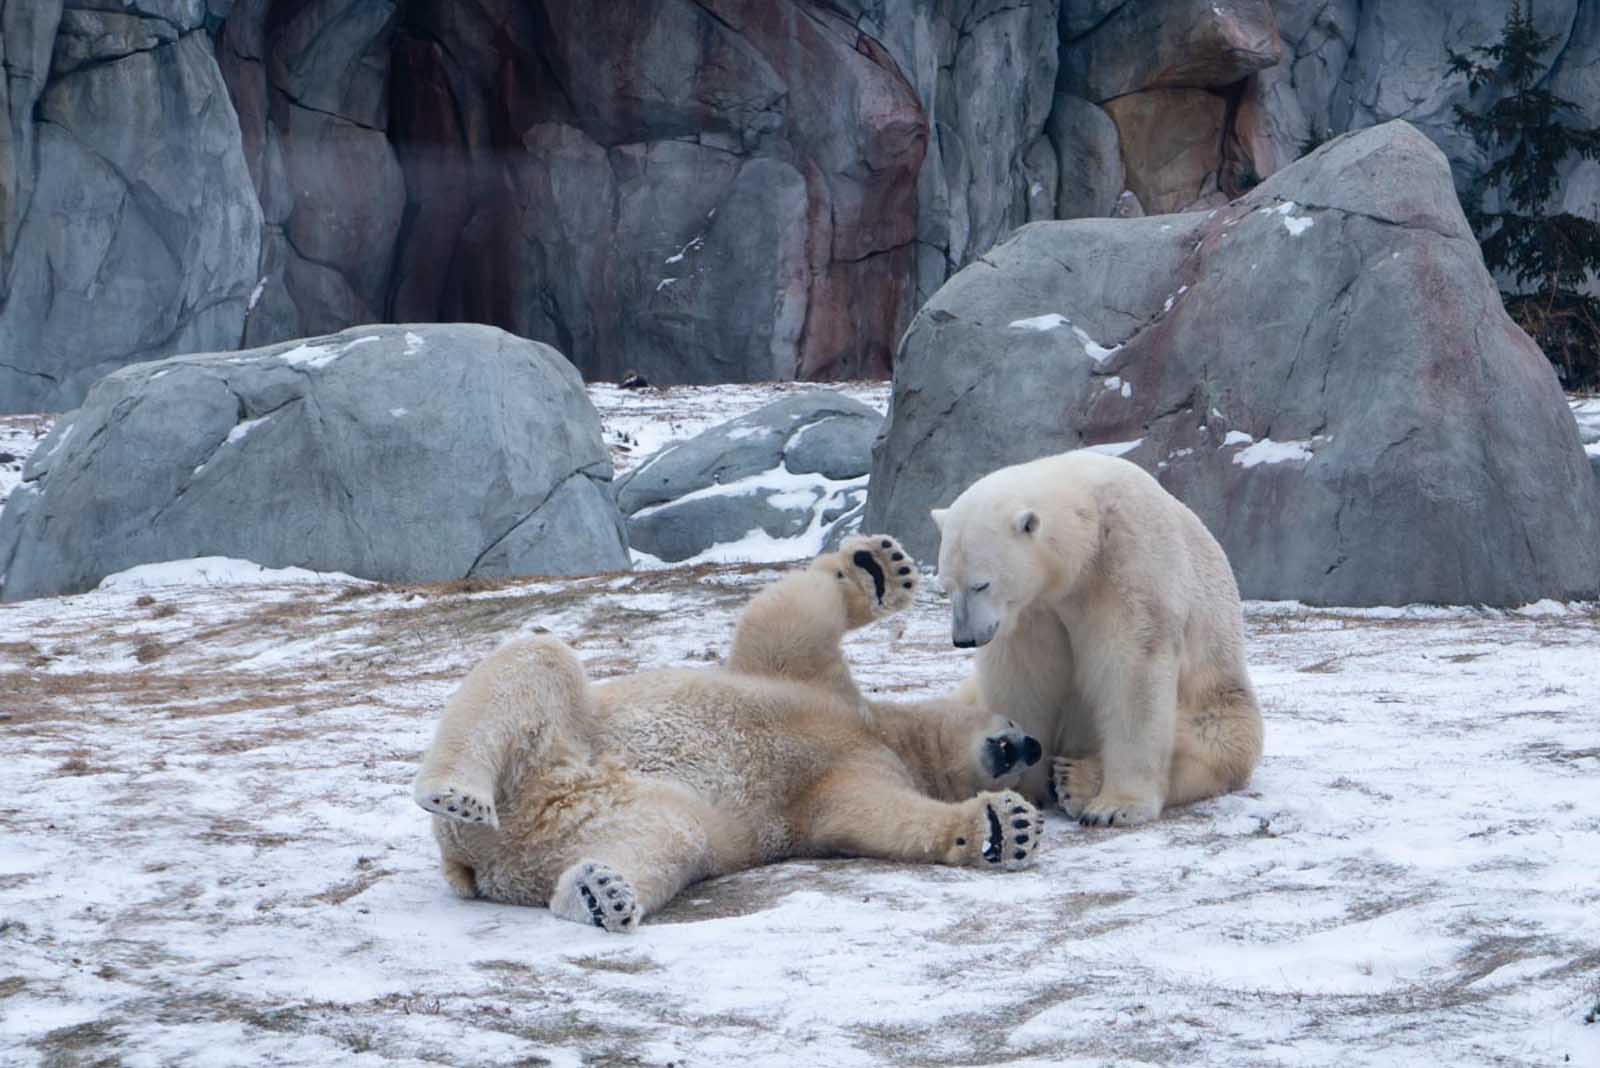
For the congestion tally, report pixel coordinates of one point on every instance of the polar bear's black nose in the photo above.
(968, 644)
(1004, 750)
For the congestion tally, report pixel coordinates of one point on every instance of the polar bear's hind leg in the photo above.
(523, 706)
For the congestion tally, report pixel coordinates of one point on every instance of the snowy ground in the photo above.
(19, 436)
(208, 854)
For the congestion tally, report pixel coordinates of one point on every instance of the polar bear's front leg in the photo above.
(1137, 725)
(792, 629)
(856, 813)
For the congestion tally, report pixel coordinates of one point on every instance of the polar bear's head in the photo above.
(1005, 543)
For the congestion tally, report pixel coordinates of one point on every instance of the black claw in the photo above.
(603, 880)
(907, 585)
(452, 808)
(618, 907)
(961, 841)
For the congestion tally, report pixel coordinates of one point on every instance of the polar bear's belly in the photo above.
(732, 744)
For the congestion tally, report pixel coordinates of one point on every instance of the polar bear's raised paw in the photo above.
(892, 572)
(1006, 832)
(598, 895)
(455, 803)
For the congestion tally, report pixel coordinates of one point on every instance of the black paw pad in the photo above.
(991, 848)
(865, 562)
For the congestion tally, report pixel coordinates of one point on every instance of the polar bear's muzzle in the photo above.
(973, 621)
(1005, 750)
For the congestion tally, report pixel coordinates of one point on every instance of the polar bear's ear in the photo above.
(1025, 521)
(938, 517)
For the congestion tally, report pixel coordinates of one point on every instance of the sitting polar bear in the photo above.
(1110, 629)
(604, 801)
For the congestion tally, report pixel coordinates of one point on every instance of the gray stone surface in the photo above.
(1170, 44)
(1089, 156)
(734, 200)
(1331, 385)
(795, 465)
(133, 231)
(985, 72)
(310, 83)
(399, 453)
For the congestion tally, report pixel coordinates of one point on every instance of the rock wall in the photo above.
(698, 190)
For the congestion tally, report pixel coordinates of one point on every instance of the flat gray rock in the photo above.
(1322, 370)
(795, 466)
(398, 453)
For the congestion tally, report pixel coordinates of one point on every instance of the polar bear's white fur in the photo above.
(1110, 629)
(603, 801)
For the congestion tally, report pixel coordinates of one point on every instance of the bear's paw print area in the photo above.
(891, 570)
(1004, 835)
(598, 895)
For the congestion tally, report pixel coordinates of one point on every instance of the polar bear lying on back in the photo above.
(1110, 629)
(605, 801)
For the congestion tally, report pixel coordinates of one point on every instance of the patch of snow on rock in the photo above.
(1267, 451)
(1296, 225)
(1115, 448)
(1040, 323)
(310, 355)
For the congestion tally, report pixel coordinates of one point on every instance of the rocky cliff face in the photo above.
(699, 190)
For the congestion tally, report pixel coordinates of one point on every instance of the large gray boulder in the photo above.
(125, 204)
(794, 470)
(398, 453)
(1322, 370)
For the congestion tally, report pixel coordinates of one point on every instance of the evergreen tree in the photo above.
(1551, 256)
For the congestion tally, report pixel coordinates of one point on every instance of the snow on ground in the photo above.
(19, 436)
(209, 856)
